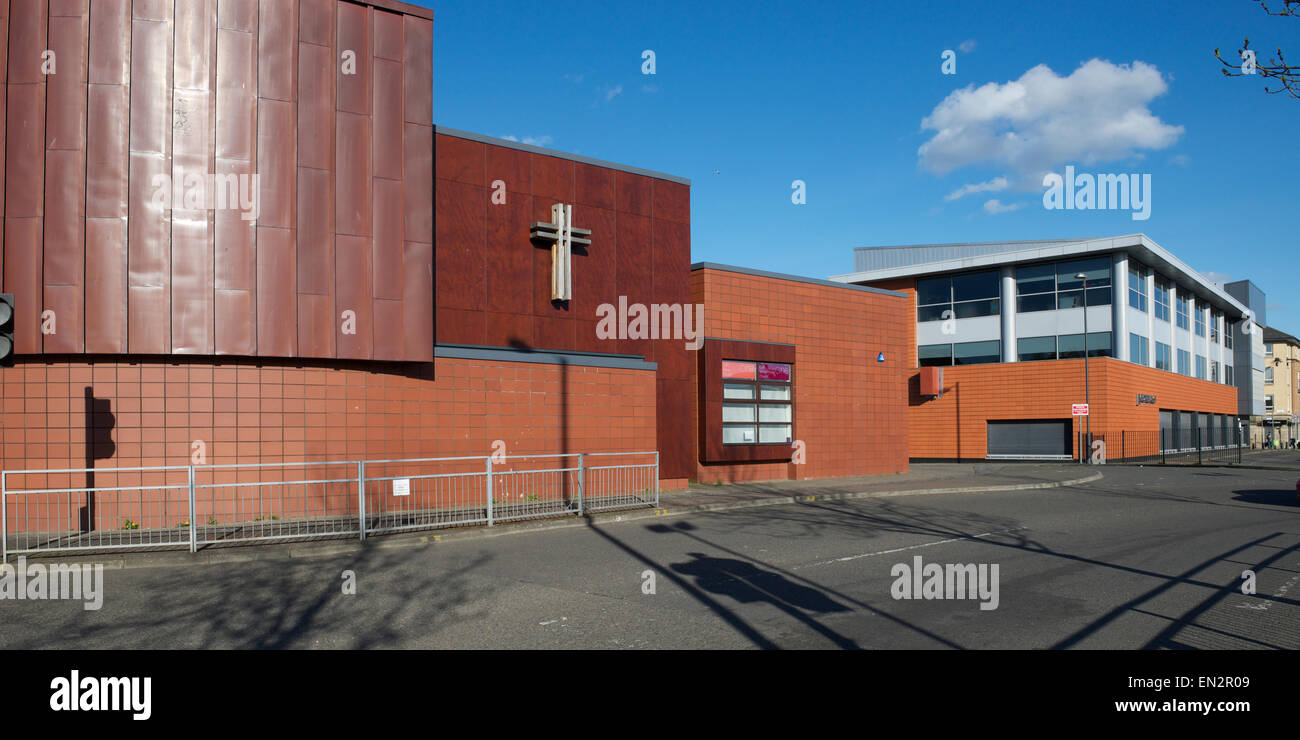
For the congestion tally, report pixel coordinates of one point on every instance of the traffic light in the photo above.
(6, 329)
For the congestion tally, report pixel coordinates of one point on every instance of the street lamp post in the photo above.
(1086, 401)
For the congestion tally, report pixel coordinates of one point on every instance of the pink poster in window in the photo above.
(737, 370)
(773, 371)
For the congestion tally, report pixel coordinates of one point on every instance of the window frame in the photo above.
(1161, 299)
(758, 403)
(1137, 275)
(925, 311)
(1063, 292)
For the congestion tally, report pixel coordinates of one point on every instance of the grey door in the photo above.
(1029, 438)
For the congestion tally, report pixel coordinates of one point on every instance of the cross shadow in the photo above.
(748, 584)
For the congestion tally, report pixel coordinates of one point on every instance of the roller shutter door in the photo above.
(1038, 438)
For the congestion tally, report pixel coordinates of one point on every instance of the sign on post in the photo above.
(402, 487)
(1079, 409)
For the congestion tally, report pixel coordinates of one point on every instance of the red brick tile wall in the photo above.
(850, 410)
(267, 412)
(493, 286)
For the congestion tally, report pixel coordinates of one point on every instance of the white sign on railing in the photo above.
(402, 487)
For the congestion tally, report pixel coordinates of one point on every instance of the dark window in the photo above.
(1097, 271)
(929, 355)
(1035, 279)
(1040, 302)
(971, 309)
(934, 313)
(1070, 346)
(933, 290)
(1051, 286)
(968, 295)
(976, 285)
(976, 353)
(1036, 348)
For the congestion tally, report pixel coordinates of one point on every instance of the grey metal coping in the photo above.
(794, 278)
(554, 153)
(543, 357)
(1140, 245)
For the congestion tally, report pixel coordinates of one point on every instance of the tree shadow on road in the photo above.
(264, 604)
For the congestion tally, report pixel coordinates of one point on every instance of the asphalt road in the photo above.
(1145, 558)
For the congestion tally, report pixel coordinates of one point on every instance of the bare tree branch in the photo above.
(1286, 75)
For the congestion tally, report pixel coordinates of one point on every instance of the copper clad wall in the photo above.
(206, 177)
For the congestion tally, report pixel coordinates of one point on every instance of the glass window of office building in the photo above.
(967, 295)
(1036, 348)
(1216, 320)
(1070, 346)
(1162, 356)
(1200, 366)
(1183, 307)
(961, 353)
(929, 355)
(1228, 328)
(1137, 349)
(1184, 362)
(977, 353)
(1214, 371)
(1137, 286)
(1162, 299)
(1227, 374)
(1200, 318)
(1046, 287)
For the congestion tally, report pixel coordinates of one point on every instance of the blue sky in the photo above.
(748, 97)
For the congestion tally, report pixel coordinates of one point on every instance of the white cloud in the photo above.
(994, 206)
(1182, 160)
(997, 183)
(529, 140)
(1218, 278)
(966, 46)
(1040, 121)
(610, 92)
(650, 88)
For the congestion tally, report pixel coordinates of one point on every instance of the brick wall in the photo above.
(150, 413)
(850, 411)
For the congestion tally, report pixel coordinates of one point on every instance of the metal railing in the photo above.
(176, 506)
(1196, 446)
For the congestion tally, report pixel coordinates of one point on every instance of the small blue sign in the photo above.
(880, 357)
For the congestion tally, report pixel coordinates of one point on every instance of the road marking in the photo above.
(909, 547)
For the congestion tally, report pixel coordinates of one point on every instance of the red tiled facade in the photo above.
(850, 411)
(151, 413)
(492, 287)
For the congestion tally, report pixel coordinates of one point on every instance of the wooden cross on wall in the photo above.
(561, 235)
